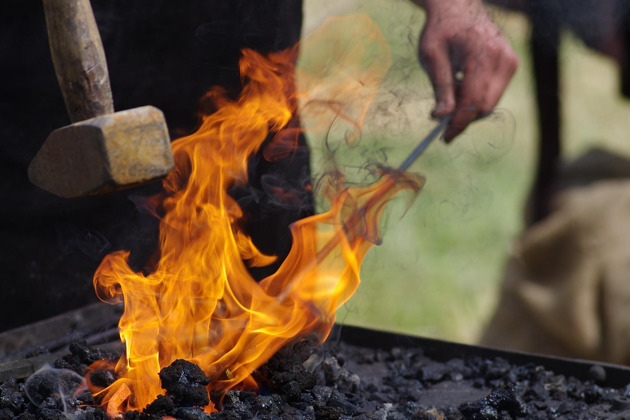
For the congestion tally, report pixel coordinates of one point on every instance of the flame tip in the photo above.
(199, 301)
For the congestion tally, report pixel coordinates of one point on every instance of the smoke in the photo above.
(366, 104)
(72, 239)
(52, 389)
(341, 69)
(398, 118)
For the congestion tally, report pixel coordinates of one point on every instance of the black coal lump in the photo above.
(81, 356)
(160, 407)
(496, 369)
(102, 378)
(88, 354)
(493, 406)
(433, 372)
(285, 371)
(191, 413)
(12, 397)
(328, 413)
(592, 394)
(268, 405)
(338, 400)
(51, 408)
(93, 413)
(458, 369)
(186, 382)
(239, 403)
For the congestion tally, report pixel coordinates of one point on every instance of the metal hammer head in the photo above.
(104, 154)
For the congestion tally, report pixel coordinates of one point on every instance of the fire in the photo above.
(200, 302)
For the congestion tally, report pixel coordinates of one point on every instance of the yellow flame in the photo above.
(200, 303)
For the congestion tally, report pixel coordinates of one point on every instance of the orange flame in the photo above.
(200, 303)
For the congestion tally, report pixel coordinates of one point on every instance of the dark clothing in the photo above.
(162, 53)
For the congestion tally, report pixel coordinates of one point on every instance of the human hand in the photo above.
(469, 61)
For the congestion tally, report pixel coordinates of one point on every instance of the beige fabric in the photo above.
(566, 288)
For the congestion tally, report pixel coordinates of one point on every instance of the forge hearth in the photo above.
(358, 373)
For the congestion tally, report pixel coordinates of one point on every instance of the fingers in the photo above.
(471, 98)
(486, 76)
(434, 57)
(507, 65)
(459, 35)
(461, 118)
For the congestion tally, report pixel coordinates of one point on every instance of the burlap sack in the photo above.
(566, 287)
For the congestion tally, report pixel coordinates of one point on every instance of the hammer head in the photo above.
(104, 154)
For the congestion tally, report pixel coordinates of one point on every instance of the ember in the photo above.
(200, 303)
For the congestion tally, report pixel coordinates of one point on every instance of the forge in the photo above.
(358, 373)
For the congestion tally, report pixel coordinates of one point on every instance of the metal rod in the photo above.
(424, 144)
(360, 212)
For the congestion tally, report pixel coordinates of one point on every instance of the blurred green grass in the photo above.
(438, 271)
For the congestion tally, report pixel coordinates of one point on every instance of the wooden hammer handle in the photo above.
(79, 59)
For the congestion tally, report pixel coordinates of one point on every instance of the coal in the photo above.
(81, 356)
(339, 381)
(160, 407)
(185, 382)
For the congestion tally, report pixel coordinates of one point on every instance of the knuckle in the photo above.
(486, 108)
(429, 49)
(465, 115)
(513, 62)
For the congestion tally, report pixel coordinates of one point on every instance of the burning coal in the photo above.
(200, 302)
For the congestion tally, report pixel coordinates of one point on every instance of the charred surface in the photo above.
(185, 382)
(341, 381)
(81, 356)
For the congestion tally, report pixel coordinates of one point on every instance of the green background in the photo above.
(438, 271)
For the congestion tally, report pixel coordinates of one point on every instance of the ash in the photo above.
(339, 381)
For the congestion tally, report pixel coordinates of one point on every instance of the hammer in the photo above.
(101, 151)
